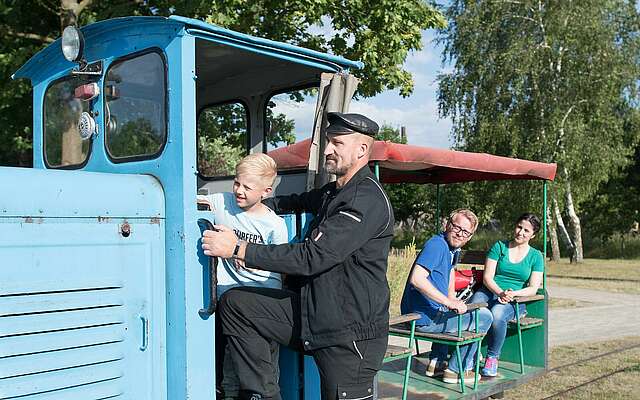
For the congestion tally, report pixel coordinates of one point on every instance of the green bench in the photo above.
(455, 339)
(399, 352)
(524, 323)
(474, 259)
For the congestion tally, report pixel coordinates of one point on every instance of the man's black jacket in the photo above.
(341, 264)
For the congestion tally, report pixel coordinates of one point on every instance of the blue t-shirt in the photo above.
(268, 228)
(437, 258)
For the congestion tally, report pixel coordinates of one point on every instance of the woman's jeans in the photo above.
(502, 314)
(447, 321)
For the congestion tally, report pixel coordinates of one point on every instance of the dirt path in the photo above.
(606, 316)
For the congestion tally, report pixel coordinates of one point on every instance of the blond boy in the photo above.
(242, 210)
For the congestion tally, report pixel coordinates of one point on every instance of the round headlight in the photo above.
(72, 43)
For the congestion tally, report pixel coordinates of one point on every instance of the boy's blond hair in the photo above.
(260, 165)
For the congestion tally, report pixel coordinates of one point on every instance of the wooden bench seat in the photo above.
(395, 351)
(402, 328)
(526, 322)
(526, 299)
(453, 337)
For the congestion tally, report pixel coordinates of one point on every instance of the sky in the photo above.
(418, 112)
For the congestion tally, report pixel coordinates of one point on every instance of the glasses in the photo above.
(458, 229)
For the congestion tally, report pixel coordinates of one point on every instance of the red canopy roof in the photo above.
(407, 163)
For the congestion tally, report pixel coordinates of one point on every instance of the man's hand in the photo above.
(457, 305)
(219, 242)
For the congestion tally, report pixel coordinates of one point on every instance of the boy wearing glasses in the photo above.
(430, 292)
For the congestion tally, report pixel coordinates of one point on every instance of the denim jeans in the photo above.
(502, 314)
(447, 322)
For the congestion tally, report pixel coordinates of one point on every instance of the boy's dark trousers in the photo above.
(257, 319)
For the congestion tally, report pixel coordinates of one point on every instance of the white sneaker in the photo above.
(436, 367)
(452, 377)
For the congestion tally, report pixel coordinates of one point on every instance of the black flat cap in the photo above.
(344, 124)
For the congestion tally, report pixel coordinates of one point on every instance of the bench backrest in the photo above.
(471, 258)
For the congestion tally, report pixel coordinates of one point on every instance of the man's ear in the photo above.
(267, 191)
(363, 149)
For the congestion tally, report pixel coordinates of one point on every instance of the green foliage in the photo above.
(616, 246)
(552, 81)
(136, 137)
(216, 157)
(616, 205)
(228, 121)
(380, 33)
(222, 139)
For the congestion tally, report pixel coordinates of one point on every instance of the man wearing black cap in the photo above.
(339, 308)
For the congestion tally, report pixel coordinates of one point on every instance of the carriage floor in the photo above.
(422, 387)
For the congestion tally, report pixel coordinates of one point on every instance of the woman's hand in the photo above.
(506, 296)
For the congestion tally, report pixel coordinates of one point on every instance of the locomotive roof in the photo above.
(102, 35)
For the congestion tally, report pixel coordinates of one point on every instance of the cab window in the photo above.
(63, 146)
(222, 139)
(289, 117)
(135, 107)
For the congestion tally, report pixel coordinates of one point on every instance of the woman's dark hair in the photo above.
(532, 219)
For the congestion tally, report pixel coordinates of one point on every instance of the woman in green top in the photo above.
(513, 268)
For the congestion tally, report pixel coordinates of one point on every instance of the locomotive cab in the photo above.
(132, 117)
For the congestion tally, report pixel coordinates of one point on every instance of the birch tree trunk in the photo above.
(576, 229)
(71, 146)
(71, 141)
(564, 233)
(553, 236)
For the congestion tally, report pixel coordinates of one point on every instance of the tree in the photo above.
(552, 81)
(380, 33)
(616, 205)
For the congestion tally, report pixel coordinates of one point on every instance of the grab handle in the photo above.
(145, 332)
(210, 276)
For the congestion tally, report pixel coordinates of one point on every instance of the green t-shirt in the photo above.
(510, 275)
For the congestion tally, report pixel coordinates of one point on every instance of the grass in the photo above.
(400, 262)
(626, 270)
(606, 286)
(555, 302)
(622, 385)
(596, 268)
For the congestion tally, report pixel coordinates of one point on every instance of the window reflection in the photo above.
(135, 115)
(62, 143)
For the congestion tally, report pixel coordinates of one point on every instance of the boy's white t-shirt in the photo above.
(268, 228)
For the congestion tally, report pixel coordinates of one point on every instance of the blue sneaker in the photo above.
(490, 367)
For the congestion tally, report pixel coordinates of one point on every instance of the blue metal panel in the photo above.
(311, 379)
(56, 193)
(82, 312)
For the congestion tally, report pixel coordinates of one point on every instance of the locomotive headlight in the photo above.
(72, 43)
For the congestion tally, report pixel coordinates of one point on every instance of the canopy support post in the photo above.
(544, 230)
(437, 208)
(376, 170)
